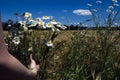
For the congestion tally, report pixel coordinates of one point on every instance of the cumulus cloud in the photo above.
(82, 12)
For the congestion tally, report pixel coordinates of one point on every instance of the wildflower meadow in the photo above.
(89, 54)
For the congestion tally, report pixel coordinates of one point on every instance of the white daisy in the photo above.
(49, 25)
(16, 40)
(59, 25)
(38, 19)
(45, 17)
(53, 22)
(25, 28)
(27, 15)
(63, 27)
(41, 24)
(49, 43)
(30, 48)
(22, 22)
(110, 7)
(30, 19)
(108, 10)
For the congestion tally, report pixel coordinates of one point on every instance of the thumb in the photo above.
(31, 58)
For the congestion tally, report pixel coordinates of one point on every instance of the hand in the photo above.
(33, 66)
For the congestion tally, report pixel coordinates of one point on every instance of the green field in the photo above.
(76, 55)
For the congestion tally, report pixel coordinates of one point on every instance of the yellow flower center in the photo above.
(49, 42)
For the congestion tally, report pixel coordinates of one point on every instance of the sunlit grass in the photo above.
(85, 54)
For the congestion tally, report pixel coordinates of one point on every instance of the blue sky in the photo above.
(62, 10)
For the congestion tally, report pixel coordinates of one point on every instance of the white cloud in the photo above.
(82, 12)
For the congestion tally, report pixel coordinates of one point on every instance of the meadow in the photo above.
(76, 55)
(69, 54)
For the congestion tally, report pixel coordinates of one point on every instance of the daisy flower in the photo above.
(45, 17)
(53, 22)
(49, 25)
(16, 40)
(49, 43)
(27, 15)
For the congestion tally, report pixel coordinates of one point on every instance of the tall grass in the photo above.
(88, 55)
(93, 56)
